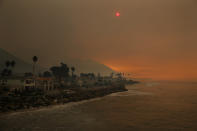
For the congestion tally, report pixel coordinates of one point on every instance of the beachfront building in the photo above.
(45, 83)
(79, 82)
(26, 83)
(88, 79)
(18, 83)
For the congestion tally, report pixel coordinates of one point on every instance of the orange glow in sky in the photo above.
(169, 71)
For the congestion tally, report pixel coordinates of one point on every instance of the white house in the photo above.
(46, 83)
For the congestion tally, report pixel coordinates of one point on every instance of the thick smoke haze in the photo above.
(151, 39)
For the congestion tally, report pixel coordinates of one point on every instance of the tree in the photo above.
(55, 70)
(13, 63)
(64, 70)
(7, 64)
(7, 71)
(61, 71)
(73, 70)
(35, 59)
(47, 74)
(4, 72)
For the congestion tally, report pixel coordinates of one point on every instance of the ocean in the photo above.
(148, 106)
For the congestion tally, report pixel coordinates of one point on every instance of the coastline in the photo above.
(54, 106)
(78, 95)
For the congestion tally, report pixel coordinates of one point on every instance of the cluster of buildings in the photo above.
(50, 83)
(26, 83)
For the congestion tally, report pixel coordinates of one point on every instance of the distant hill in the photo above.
(82, 66)
(20, 67)
(88, 66)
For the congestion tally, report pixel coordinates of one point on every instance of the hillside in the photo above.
(20, 67)
(82, 66)
(86, 66)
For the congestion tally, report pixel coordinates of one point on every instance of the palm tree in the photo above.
(7, 71)
(73, 70)
(13, 63)
(7, 64)
(35, 59)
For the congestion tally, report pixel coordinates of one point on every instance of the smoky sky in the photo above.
(151, 38)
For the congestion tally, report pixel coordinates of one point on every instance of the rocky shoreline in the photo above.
(37, 99)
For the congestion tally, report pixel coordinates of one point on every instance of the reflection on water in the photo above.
(146, 106)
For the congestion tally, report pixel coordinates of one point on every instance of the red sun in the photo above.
(117, 14)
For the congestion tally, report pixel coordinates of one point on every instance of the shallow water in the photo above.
(147, 106)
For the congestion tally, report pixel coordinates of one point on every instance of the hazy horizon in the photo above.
(151, 39)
